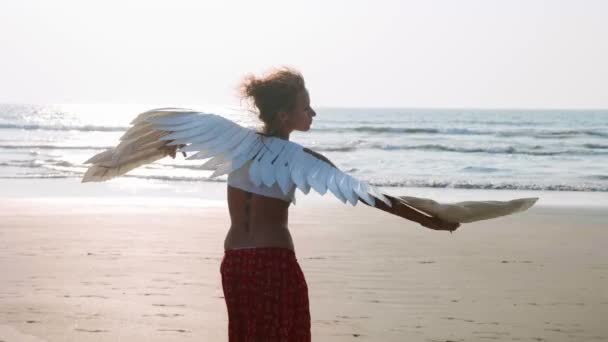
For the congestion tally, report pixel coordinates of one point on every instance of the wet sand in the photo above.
(76, 269)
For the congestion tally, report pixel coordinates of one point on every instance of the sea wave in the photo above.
(536, 150)
(535, 133)
(40, 163)
(480, 169)
(42, 176)
(533, 150)
(85, 128)
(54, 147)
(148, 177)
(58, 168)
(595, 146)
(492, 186)
(524, 132)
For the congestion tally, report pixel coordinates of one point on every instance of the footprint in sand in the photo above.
(170, 305)
(353, 317)
(93, 296)
(153, 294)
(175, 330)
(91, 330)
(164, 315)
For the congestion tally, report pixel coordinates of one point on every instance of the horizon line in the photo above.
(547, 108)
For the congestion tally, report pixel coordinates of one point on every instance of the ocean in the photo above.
(548, 150)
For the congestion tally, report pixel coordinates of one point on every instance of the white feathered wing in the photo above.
(158, 133)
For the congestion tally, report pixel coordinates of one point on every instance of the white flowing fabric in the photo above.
(160, 132)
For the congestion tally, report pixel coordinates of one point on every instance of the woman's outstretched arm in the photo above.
(401, 209)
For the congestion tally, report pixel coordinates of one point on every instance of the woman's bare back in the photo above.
(257, 221)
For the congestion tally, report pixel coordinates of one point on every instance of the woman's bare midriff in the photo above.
(257, 221)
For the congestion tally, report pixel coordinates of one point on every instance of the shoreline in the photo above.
(205, 193)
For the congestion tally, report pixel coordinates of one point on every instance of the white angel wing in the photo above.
(469, 211)
(165, 131)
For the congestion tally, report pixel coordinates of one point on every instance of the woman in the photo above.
(265, 290)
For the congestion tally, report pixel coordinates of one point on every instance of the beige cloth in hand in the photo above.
(469, 211)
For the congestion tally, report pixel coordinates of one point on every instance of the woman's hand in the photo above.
(435, 223)
(402, 209)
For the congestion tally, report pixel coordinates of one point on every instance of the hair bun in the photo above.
(272, 93)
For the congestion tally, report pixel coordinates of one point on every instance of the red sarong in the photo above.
(266, 295)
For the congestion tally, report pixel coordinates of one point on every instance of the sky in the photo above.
(380, 53)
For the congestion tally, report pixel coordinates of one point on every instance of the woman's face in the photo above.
(300, 118)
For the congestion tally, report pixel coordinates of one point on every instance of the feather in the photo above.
(346, 189)
(99, 173)
(332, 185)
(173, 118)
(153, 113)
(187, 129)
(311, 172)
(214, 131)
(127, 147)
(361, 190)
(255, 173)
(201, 120)
(210, 132)
(223, 168)
(267, 165)
(321, 178)
(227, 141)
(137, 130)
(105, 155)
(282, 168)
(297, 169)
(378, 194)
(212, 163)
(245, 156)
(242, 146)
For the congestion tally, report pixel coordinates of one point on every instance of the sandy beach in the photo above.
(82, 269)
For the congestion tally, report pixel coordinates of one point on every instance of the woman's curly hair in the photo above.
(273, 93)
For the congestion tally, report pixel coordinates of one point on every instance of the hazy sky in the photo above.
(465, 53)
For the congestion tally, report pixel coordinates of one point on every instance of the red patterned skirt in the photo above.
(266, 295)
